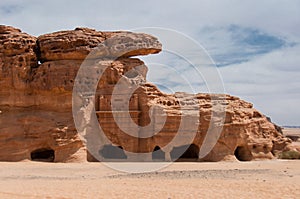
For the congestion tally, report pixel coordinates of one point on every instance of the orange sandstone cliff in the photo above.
(37, 75)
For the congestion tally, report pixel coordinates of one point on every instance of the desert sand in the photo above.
(255, 179)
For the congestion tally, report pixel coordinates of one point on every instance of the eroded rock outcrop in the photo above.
(18, 56)
(77, 44)
(37, 76)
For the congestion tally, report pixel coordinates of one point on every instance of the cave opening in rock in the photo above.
(158, 154)
(43, 155)
(191, 153)
(113, 152)
(242, 154)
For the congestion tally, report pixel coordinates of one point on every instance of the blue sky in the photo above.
(255, 44)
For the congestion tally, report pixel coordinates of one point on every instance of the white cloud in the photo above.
(271, 82)
(272, 16)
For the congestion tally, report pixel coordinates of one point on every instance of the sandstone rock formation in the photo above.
(37, 76)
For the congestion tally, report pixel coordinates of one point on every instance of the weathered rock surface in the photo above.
(37, 76)
(77, 44)
(17, 52)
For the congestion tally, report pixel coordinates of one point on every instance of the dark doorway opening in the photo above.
(242, 154)
(158, 154)
(185, 153)
(43, 155)
(112, 152)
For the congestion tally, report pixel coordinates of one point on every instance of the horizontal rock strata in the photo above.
(37, 75)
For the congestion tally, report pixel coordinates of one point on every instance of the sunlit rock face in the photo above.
(37, 75)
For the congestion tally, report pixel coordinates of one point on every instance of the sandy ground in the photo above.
(256, 179)
(295, 132)
(291, 131)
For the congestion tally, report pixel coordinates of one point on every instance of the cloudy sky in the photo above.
(255, 44)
